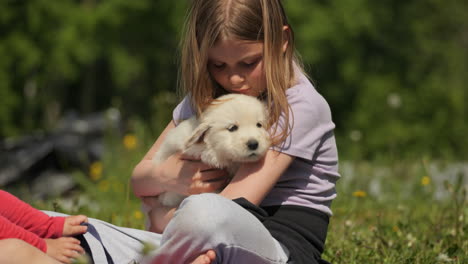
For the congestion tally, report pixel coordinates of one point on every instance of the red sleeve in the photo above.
(10, 230)
(25, 216)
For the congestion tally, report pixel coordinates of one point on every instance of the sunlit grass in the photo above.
(399, 212)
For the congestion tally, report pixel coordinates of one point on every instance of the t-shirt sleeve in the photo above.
(310, 121)
(10, 230)
(183, 110)
(29, 218)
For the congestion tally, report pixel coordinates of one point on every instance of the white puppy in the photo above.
(229, 132)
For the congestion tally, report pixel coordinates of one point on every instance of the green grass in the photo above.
(405, 213)
(394, 212)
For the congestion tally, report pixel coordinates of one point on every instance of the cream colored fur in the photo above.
(229, 132)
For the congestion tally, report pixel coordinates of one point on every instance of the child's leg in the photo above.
(210, 221)
(121, 243)
(15, 251)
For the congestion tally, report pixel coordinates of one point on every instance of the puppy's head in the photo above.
(233, 129)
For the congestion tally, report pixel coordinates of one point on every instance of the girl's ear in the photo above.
(198, 135)
(286, 33)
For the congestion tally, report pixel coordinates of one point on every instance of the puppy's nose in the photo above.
(252, 144)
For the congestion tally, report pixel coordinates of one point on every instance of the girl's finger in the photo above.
(188, 158)
(80, 229)
(210, 175)
(202, 187)
(77, 248)
(72, 240)
(64, 259)
(71, 253)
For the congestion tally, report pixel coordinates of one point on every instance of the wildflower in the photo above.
(118, 187)
(82, 259)
(104, 186)
(425, 180)
(444, 258)
(130, 141)
(394, 100)
(359, 194)
(395, 229)
(148, 248)
(411, 239)
(95, 170)
(355, 135)
(138, 215)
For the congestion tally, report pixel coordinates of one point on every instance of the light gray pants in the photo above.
(202, 222)
(123, 245)
(210, 221)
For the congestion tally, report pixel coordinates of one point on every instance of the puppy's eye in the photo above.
(232, 128)
(259, 125)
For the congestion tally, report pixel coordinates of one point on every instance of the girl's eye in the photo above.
(232, 128)
(259, 125)
(218, 66)
(249, 64)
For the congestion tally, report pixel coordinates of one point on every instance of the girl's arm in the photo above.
(178, 174)
(10, 230)
(29, 218)
(253, 181)
(145, 181)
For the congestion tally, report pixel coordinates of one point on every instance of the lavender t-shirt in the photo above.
(310, 179)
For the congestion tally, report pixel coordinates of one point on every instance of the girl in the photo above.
(20, 221)
(272, 211)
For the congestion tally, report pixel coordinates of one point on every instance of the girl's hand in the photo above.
(187, 175)
(157, 214)
(64, 249)
(72, 225)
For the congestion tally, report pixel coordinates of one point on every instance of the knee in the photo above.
(203, 214)
(13, 247)
(10, 244)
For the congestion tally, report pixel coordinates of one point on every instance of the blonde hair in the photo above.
(252, 20)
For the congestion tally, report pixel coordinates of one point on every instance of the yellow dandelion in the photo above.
(104, 186)
(130, 141)
(425, 180)
(395, 229)
(118, 187)
(359, 194)
(95, 170)
(138, 215)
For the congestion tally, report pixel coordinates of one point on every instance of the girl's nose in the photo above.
(236, 79)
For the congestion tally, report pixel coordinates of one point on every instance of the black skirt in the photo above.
(301, 230)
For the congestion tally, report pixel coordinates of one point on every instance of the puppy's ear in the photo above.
(198, 135)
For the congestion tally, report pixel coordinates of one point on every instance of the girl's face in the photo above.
(237, 65)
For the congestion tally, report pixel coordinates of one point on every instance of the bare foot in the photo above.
(206, 258)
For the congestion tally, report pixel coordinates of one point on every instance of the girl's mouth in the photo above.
(241, 90)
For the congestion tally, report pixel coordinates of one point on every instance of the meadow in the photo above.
(385, 212)
(393, 73)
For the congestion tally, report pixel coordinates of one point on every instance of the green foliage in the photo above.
(86, 55)
(394, 72)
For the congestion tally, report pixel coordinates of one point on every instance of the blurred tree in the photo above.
(394, 72)
(83, 55)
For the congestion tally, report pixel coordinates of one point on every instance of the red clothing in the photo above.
(19, 220)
